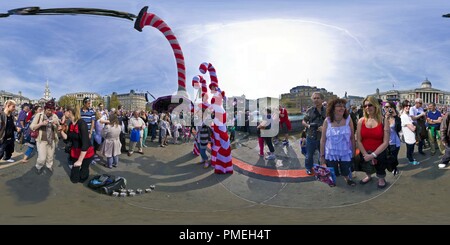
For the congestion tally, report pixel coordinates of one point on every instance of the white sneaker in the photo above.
(10, 160)
(441, 165)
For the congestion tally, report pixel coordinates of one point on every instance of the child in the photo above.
(204, 136)
(175, 132)
(164, 130)
(303, 142)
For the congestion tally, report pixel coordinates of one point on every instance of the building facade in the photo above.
(298, 99)
(107, 100)
(81, 95)
(18, 98)
(132, 101)
(426, 92)
(354, 100)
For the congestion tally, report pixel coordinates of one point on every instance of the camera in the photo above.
(390, 110)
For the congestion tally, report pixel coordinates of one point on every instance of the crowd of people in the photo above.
(369, 139)
(347, 139)
(86, 131)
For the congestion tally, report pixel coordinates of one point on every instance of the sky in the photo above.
(259, 47)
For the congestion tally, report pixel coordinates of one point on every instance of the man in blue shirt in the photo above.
(88, 115)
(434, 119)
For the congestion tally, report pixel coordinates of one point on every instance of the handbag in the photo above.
(35, 133)
(135, 135)
(325, 175)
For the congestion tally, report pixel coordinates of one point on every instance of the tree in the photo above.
(97, 101)
(67, 100)
(114, 102)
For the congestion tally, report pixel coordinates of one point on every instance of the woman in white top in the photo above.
(337, 144)
(408, 129)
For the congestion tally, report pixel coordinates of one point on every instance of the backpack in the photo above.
(107, 184)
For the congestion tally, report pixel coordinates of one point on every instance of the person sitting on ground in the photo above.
(81, 152)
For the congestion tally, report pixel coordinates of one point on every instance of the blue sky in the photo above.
(259, 48)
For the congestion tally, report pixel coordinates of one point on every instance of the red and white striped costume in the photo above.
(221, 157)
(149, 19)
(199, 82)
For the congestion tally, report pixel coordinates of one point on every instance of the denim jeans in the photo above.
(113, 161)
(311, 146)
(153, 128)
(29, 151)
(203, 153)
(446, 157)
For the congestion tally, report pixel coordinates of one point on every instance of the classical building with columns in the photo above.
(81, 95)
(18, 98)
(132, 101)
(426, 92)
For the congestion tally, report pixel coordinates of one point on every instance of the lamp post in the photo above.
(146, 98)
(446, 15)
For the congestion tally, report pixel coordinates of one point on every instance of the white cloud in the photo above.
(269, 57)
(346, 47)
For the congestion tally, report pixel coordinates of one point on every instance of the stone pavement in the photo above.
(186, 193)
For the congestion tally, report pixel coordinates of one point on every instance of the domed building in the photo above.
(426, 92)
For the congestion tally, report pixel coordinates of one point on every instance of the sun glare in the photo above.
(267, 58)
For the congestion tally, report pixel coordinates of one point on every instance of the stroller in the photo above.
(185, 134)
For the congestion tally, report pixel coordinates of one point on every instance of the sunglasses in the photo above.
(368, 105)
(387, 106)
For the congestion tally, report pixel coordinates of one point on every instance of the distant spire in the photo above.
(47, 93)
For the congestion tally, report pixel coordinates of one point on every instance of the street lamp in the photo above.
(146, 97)
(446, 15)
